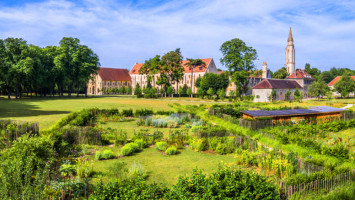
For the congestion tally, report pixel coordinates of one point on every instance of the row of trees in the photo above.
(26, 68)
(170, 69)
(121, 90)
(326, 76)
(344, 87)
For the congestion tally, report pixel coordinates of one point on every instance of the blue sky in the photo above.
(125, 32)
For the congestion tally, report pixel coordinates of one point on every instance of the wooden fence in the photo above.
(12, 130)
(326, 184)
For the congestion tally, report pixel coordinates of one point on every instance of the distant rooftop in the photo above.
(293, 112)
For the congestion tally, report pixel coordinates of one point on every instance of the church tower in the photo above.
(290, 54)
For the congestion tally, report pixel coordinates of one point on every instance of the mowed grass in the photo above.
(47, 111)
(162, 168)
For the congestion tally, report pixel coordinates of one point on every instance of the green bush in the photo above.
(199, 144)
(141, 143)
(107, 154)
(161, 146)
(126, 150)
(98, 155)
(171, 150)
(143, 112)
(134, 146)
(127, 113)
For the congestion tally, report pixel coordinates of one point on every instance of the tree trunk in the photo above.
(69, 90)
(8, 92)
(16, 91)
(77, 90)
(31, 91)
(86, 91)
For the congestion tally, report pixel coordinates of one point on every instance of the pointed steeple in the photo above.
(290, 38)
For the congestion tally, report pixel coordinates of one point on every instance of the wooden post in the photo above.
(115, 138)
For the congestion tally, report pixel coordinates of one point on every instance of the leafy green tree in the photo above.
(221, 93)
(288, 95)
(329, 95)
(189, 92)
(232, 94)
(184, 89)
(280, 73)
(192, 64)
(138, 90)
(170, 91)
(297, 95)
(162, 91)
(201, 92)
(318, 88)
(198, 82)
(345, 85)
(210, 92)
(214, 81)
(129, 89)
(172, 60)
(314, 72)
(273, 95)
(237, 56)
(240, 79)
(180, 91)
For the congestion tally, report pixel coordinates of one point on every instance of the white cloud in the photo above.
(125, 33)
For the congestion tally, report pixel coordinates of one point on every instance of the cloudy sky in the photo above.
(125, 32)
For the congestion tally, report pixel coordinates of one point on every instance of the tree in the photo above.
(318, 88)
(180, 91)
(129, 90)
(314, 72)
(172, 60)
(214, 81)
(288, 95)
(198, 82)
(170, 91)
(221, 93)
(201, 92)
(237, 56)
(67, 59)
(184, 89)
(232, 94)
(162, 91)
(345, 85)
(210, 92)
(329, 95)
(189, 92)
(280, 74)
(241, 81)
(273, 95)
(297, 95)
(138, 90)
(192, 64)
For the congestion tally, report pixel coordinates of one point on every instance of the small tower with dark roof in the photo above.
(290, 54)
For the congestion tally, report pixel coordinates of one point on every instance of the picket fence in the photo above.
(326, 184)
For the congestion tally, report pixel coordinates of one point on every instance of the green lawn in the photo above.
(162, 168)
(47, 111)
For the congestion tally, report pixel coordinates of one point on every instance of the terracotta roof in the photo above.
(277, 84)
(220, 72)
(337, 79)
(300, 73)
(114, 74)
(137, 66)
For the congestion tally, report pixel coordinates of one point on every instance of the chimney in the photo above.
(264, 74)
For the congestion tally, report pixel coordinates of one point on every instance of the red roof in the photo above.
(277, 84)
(337, 79)
(114, 74)
(300, 73)
(137, 66)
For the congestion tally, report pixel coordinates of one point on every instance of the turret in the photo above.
(290, 54)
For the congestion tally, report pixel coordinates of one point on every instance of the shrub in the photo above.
(141, 143)
(199, 144)
(98, 155)
(171, 150)
(161, 146)
(107, 154)
(126, 150)
(127, 113)
(221, 148)
(134, 146)
(136, 170)
(172, 124)
(144, 112)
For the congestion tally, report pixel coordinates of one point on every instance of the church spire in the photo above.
(290, 38)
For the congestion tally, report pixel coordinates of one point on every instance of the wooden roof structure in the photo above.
(293, 112)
